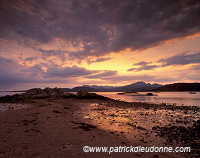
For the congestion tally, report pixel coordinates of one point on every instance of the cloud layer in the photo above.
(13, 73)
(182, 59)
(59, 34)
(97, 27)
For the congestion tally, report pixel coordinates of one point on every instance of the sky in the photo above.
(67, 43)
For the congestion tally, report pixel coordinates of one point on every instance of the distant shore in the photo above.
(13, 91)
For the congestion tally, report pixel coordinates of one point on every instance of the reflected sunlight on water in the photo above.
(178, 98)
(136, 125)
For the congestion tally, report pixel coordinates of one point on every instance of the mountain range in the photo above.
(138, 86)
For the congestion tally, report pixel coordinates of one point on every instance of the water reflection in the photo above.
(136, 124)
(178, 98)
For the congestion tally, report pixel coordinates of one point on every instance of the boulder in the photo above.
(69, 95)
(83, 93)
(149, 94)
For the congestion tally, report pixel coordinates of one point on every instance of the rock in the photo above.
(139, 127)
(36, 93)
(85, 126)
(113, 115)
(44, 93)
(56, 111)
(121, 93)
(131, 124)
(82, 93)
(181, 133)
(149, 94)
(69, 95)
(197, 126)
(154, 128)
(182, 129)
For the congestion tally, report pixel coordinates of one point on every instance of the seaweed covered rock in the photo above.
(181, 133)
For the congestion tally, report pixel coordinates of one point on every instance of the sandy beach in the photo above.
(58, 127)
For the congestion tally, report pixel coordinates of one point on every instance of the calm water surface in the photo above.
(178, 98)
(9, 93)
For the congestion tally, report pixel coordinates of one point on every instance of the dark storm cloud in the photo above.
(61, 54)
(31, 59)
(7, 67)
(73, 71)
(13, 73)
(64, 55)
(100, 26)
(182, 59)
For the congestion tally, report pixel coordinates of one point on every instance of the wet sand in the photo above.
(62, 127)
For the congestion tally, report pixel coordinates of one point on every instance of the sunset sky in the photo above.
(67, 43)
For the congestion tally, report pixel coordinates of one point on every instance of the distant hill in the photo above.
(76, 89)
(180, 87)
(87, 88)
(66, 89)
(138, 86)
(100, 88)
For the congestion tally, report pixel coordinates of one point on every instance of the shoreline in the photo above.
(64, 126)
(187, 100)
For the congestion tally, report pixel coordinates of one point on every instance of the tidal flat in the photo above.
(61, 127)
